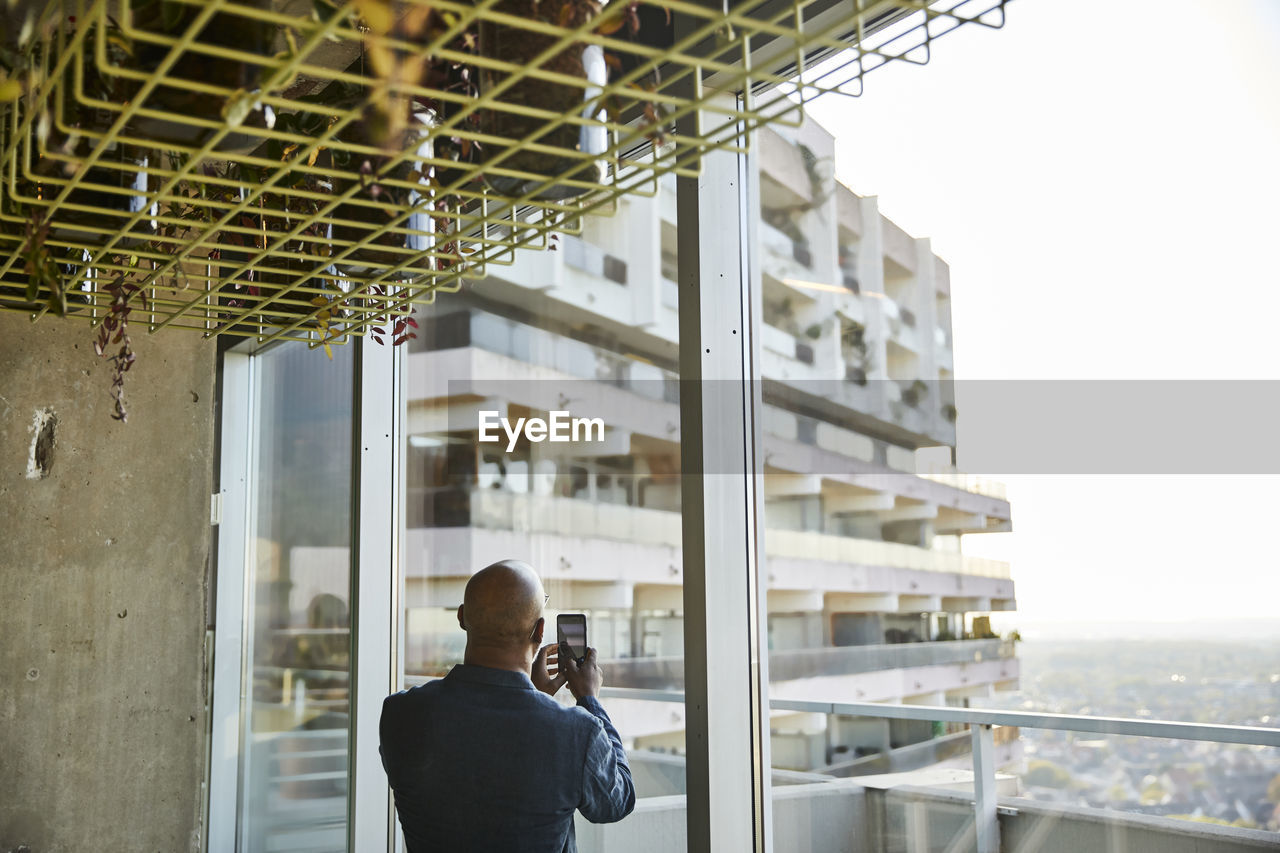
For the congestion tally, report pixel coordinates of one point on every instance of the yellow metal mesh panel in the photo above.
(309, 171)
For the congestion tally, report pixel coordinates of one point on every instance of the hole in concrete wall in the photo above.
(43, 440)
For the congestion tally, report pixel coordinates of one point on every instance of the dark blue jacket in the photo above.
(481, 760)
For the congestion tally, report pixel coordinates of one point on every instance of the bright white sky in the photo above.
(1103, 177)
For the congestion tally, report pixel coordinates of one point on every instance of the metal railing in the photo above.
(503, 510)
(982, 736)
(792, 664)
(804, 544)
(847, 660)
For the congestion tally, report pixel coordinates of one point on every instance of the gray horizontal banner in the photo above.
(1002, 427)
(1119, 427)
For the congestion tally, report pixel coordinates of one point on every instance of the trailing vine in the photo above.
(113, 330)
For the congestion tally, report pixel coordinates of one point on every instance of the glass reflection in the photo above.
(297, 714)
(597, 515)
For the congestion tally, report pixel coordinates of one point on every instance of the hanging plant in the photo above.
(168, 19)
(114, 329)
(61, 138)
(576, 143)
(268, 288)
(381, 197)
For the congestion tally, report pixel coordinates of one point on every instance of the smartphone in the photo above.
(571, 630)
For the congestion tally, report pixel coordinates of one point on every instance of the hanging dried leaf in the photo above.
(608, 28)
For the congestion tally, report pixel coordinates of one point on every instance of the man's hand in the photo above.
(585, 679)
(541, 676)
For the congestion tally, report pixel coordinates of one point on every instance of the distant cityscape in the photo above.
(1227, 682)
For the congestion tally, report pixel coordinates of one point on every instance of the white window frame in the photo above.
(725, 606)
(377, 519)
(726, 661)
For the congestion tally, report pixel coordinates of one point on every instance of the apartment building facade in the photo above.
(870, 595)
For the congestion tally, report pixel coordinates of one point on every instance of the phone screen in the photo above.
(571, 629)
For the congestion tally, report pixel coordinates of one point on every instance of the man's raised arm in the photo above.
(608, 794)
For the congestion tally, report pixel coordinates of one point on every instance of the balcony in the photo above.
(958, 810)
(849, 660)
(668, 673)
(497, 509)
(855, 816)
(535, 346)
(787, 356)
(789, 360)
(809, 545)
(783, 257)
(969, 483)
(901, 323)
(592, 260)
(899, 246)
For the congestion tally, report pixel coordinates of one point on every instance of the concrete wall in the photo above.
(103, 566)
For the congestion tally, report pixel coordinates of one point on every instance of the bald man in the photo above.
(484, 759)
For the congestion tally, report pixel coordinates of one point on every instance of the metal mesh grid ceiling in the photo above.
(311, 170)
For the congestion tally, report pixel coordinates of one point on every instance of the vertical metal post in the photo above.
(726, 737)
(233, 557)
(757, 576)
(917, 820)
(984, 789)
(374, 625)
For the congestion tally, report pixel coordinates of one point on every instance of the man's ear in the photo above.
(461, 622)
(538, 628)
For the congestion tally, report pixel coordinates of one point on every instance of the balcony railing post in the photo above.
(984, 788)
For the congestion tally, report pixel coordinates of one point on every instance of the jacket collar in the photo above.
(473, 674)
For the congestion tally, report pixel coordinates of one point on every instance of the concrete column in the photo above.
(644, 253)
(871, 282)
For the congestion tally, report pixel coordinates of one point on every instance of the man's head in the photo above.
(502, 609)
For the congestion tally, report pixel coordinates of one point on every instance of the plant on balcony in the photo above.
(114, 329)
(854, 349)
(167, 19)
(461, 83)
(114, 189)
(380, 197)
(646, 24)
(36, 283)
(949, 412)
(787, 218)
(389, 122)
(40, 285)
(59, 138)
(521, 47)
(272, 215)
(915, 392)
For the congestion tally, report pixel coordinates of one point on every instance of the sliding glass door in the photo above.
(286, 594)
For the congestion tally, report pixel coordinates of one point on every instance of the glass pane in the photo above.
(588, 330)
(871, 596)
(1228, 681)
(1137, 483)
(296, 710)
